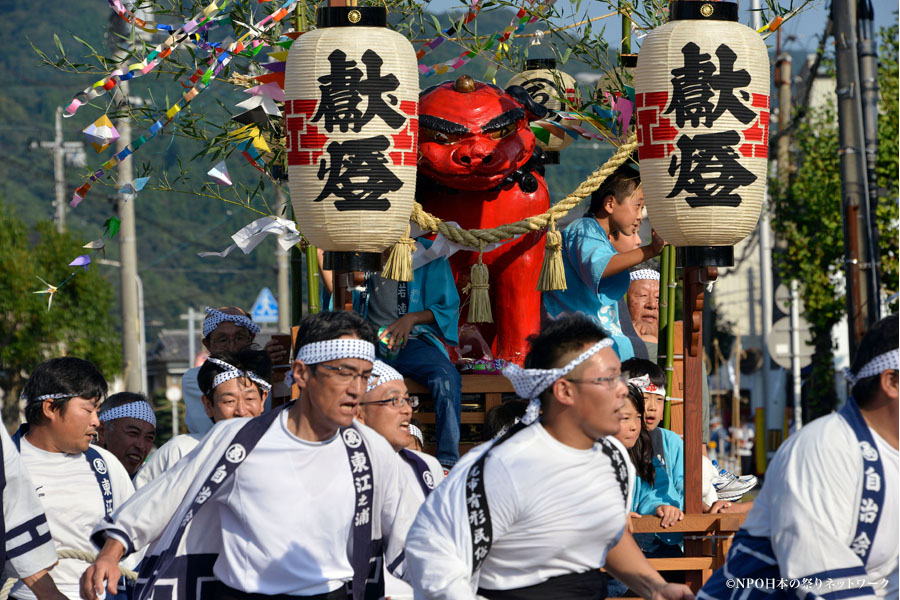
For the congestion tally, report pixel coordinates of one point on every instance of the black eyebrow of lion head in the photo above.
(442, 125)
(510, 117)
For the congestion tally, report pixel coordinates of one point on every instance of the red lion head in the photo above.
(474, 135)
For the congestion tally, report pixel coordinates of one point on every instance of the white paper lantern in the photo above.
(351, 121)
(702, 101)
(547, 85)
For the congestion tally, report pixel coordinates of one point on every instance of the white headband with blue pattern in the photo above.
(214, 318)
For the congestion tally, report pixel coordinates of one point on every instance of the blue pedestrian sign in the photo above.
(265, 309)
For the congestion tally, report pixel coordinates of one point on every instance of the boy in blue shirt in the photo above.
(596, 275)
(418, 317)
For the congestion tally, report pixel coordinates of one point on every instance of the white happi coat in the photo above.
(803, 524)
(156, 510)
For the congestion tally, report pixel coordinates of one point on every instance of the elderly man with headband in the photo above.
(826, 519)
(235, 385)
(537, 512)
(78, 484)
(127, 429)
(387, 408)
(226, 329)
(300, 502)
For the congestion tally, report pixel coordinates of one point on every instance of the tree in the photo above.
(807, 216)
(77, 325)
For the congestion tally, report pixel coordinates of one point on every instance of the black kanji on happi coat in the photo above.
(709, 168)
(355, 170)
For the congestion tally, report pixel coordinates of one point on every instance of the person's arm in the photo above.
(42, 586)
(626, 260)
(399, 329)
(143, 518)
(327, 276)
(27, 545)
(627, 564)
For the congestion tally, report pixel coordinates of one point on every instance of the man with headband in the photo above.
(826, 519)
(300, 502)
(387, 408)
(127, 429)
(224, 398)
(78, 484)
(226, 329)
(538, 512)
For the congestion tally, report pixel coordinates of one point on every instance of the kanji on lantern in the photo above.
(343, 90)
(358, 174)
(709, 169)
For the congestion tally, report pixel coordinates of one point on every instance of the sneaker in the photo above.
(729, 485)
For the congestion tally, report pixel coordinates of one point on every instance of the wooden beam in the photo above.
(702, 523)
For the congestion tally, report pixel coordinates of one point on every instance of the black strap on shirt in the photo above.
(423, 474)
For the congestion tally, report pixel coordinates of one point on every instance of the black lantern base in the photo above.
(352, 261)
(705, 256)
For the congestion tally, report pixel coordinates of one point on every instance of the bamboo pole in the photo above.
(671, 285)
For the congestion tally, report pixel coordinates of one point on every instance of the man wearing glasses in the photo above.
(300, 502)
(387, 408)
(538, 512)
(226, 329)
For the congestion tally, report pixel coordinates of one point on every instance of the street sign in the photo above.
(783, 299)
(265, 309)
(780, 343)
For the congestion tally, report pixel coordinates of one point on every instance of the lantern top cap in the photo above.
(351, 16)
(694, 10)
(464, 84)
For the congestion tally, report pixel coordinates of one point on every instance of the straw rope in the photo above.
(87, 557)
(477, 238)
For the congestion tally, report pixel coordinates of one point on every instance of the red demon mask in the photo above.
(473, 135)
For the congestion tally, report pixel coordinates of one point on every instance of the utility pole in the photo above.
(765, 291)
(131, 345)
(282, 257)
(868, 79)
(862, 290)
(59, 148)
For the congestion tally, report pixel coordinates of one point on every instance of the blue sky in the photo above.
(805, 27)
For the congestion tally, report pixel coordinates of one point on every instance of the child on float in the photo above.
(596, 272)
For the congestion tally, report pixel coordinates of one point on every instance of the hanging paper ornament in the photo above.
(702, 100)
(270, 90)
(257, 111)
(135, 186)
(101, 133)
(352, 126)
(219, 174)
(82, 261)
(549, 87)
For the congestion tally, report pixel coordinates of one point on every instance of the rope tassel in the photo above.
(553, 274)
(399, 262)
(479, 298)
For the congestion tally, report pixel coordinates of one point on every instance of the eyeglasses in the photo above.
(397, 401)
(239, 339)
(346, 374)
(611, 382)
